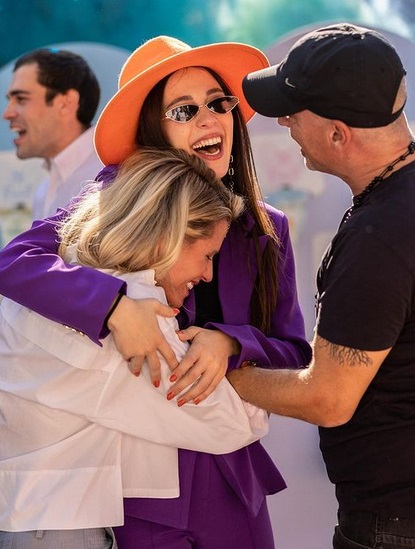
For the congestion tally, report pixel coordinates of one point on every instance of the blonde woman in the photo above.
(78, 432)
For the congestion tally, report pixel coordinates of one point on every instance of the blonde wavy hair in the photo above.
(159, 200)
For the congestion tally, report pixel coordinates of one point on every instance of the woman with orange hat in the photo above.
(171, 95)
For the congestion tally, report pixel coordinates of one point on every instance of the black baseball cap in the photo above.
(342, 72)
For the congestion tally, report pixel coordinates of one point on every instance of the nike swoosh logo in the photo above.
(289, 83)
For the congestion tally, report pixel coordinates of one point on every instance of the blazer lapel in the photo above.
(237, 271)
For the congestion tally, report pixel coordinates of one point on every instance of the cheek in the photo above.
(177, 135)
(228, 127)
(174, 277)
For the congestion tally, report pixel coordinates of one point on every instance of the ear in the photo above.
(340, 133)
(68, 102)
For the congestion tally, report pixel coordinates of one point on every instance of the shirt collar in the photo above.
(76, 153)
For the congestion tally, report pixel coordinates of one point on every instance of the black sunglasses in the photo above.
(185, 113)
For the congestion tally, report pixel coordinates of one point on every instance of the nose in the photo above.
(207, 275)
(205, 115)
(8, 112)
(284, 121)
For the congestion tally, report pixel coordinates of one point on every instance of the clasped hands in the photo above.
(138, 338)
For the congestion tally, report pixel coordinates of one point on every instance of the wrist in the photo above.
(111, 310)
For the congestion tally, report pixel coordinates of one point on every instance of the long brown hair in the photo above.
(264, 296)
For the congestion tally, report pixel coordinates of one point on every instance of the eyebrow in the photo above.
(13, 93)
(190, 98)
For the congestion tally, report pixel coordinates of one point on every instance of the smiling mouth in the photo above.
(18, 132)
(210, 147)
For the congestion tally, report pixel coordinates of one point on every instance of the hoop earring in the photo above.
(231, 173)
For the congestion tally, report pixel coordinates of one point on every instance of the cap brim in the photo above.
(117, 125)
(268, 95)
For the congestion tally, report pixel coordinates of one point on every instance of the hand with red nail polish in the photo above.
(137, 333)
(205, 363)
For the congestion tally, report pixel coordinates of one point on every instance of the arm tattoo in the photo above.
(347, 355)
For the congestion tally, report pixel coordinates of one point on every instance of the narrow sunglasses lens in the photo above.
(183, 113)
(222, 105)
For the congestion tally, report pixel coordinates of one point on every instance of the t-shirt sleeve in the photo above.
(363, 300)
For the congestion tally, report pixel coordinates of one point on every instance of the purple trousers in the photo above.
(217, 519)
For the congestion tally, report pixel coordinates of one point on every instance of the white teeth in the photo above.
(189, 285)
(207, 142)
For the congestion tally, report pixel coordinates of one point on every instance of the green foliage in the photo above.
(28, 24)
(262, 22)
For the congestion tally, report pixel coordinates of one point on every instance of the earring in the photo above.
(231, 173)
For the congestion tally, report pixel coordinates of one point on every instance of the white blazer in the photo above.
(78, 432)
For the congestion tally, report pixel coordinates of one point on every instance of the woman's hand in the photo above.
(138, 337)
(204, 365)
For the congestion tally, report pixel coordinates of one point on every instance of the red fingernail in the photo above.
(196, 400)
(176, 311)
(181, 402)
(173, 377)
(170, 396)
(136, 373)
(156, 383)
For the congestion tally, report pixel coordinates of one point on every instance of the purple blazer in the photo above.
(32, 274)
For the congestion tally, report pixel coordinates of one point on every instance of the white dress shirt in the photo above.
(68, 170)
(78, 432)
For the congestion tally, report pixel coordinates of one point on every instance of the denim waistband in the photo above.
(365, 528)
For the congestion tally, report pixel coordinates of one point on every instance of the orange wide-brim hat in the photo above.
(116, 127)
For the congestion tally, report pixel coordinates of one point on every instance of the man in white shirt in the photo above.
(53, 98)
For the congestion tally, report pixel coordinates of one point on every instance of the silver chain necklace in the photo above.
(357, 200)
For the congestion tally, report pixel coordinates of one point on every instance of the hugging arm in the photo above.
(353, 336)
(326, 393)
(34, 275)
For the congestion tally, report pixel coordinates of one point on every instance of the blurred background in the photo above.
(105, 32)
(27, 24)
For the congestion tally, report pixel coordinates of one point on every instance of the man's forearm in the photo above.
(291, 393)
(272, 390)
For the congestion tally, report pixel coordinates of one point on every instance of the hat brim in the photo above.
(116, 127)
(267, 93)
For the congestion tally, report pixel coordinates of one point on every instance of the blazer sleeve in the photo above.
(34, 275)
(286, 345)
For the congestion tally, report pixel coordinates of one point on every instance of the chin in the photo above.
(309, 165)
(221, 173)
(174, 302)
(219, 170)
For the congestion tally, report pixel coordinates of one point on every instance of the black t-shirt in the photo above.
(366, 300)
